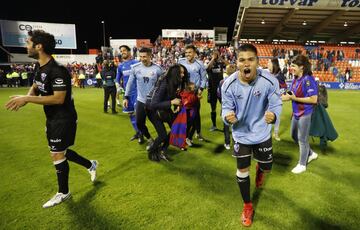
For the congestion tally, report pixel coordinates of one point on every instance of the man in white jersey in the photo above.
(250, 103)
(197, 72)
(144, 74)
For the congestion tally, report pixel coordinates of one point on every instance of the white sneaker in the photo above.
(92, 169)
(149, 143)
(276, 137)
(57, 199)
(199, 137)
(313, 156)
(213, 128)
(227, 146)
(299, 169)
(188, 142)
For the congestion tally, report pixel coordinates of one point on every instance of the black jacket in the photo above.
(161, 99)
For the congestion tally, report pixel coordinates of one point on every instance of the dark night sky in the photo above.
(126, 19)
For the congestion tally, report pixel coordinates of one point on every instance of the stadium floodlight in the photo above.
(345, 24)
(263, 21)
(304, 23)
(103, 26)
(86, 47)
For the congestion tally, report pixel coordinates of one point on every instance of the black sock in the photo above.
(244, 185)
(62, 173)
(74, 157)
(213, 118)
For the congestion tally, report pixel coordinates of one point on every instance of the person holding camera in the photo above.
(303, 94)
(108, 75)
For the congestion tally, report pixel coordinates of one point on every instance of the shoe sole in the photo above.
(62, 201)
(97, 165)
(298, 172)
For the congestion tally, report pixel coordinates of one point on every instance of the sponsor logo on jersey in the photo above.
(59, 81)
(55, 140)
(239, 96)
(265, 149)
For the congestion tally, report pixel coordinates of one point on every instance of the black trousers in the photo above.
(140, 115)
(109, 91)
(227, 134)
(163, 137)
(82, 83)
(197, 120)
(98, 83)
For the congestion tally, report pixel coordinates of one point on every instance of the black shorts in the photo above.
(263, 153)
(60, 134)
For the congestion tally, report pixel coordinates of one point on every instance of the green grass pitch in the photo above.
(196, 191)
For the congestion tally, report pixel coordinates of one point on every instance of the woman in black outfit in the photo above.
(165, 95)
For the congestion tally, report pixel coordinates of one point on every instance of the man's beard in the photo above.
(34, 55)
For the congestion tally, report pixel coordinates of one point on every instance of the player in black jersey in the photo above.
(52, 89)
(215, 71)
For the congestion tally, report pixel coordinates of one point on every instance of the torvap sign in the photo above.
(14, 33)
(314, 4)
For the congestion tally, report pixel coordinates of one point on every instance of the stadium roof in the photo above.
(300, 20)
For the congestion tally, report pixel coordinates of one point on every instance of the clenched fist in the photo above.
(269, 117)
(231, 117)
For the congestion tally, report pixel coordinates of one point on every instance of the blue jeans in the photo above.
(300, 134)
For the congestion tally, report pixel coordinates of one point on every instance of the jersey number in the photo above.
(146, 79)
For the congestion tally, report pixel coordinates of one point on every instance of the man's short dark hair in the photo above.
(248, 47)
(145, 50)
(191, 46)
(125, 46)
(45, 39)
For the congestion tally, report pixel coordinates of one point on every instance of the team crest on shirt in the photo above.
(43, 76)
(152, 73)
(257, 93)
(307, 83)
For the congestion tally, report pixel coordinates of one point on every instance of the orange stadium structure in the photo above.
(301, 25)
